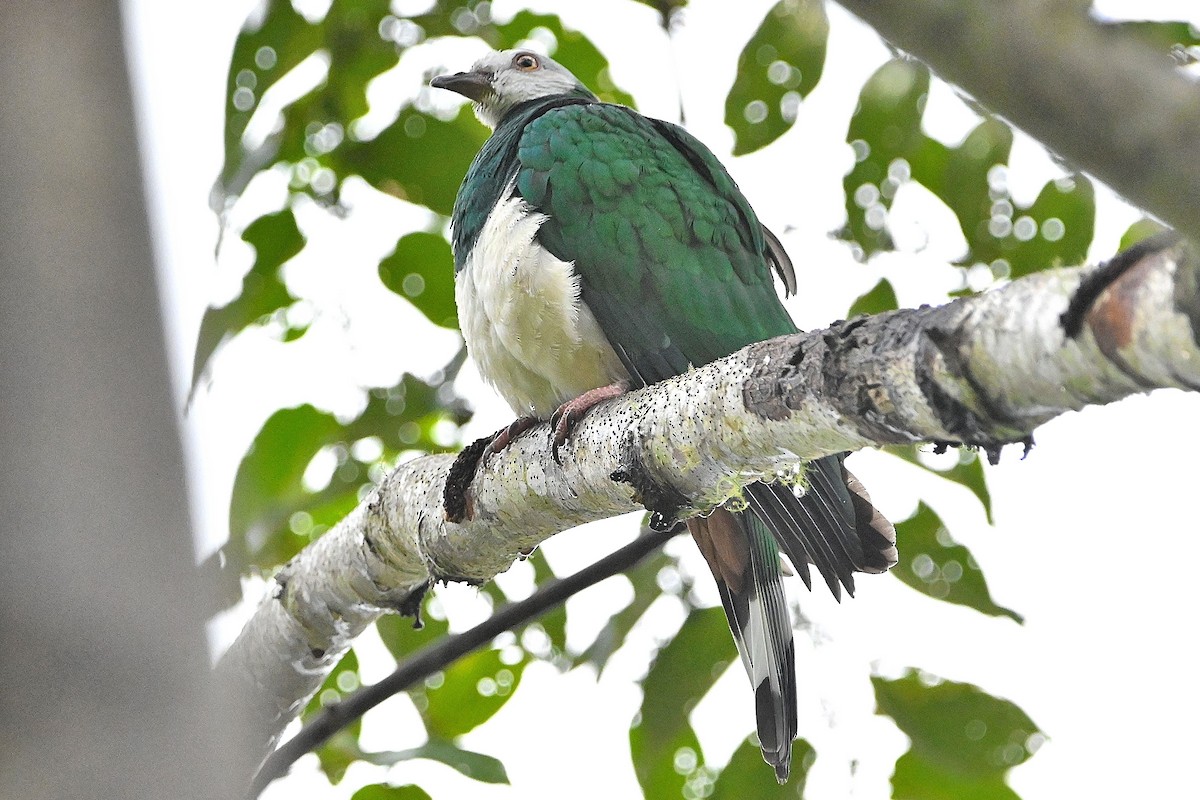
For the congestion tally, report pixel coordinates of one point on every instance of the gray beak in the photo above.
(473, 85)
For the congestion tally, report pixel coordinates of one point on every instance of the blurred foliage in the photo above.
(643, 579)
(881, 297)
(342, 749)
(666, 753)
(382, 791)
(356, 41)
(432, 291)
(306, 468)
(745, 776)
(469, 692)
(402, 637)
(934, 564)
(1180, 39)
(274, 514)
(1142, 229)
(275, 239)
(891, 149)
(477, 766)
(966, 472)
(962, 740)
(780, 64)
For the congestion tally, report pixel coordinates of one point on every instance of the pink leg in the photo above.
(455, 496)
(568, 415)
(504, 437)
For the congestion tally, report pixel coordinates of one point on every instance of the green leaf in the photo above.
(879, 299)
(957, 731)
(968, 472)
(1055, 231)
(273, 515)
(275, 239)
(554, 622)
(268, 488)
(646, 590)
(933, 564)
(420, 270)
(403, 640)
(891, 148)
(885, 131)
(746, 774)
(342, 680)
(1144, 228)
(477, 766)
(261, 56)
(964, 185)
(1173, 37)
(664, 746)
(357, 53)
(316, 124)
(342, 749)
(916, 778)
(472, 689)
(664, 7)
(780, 64)
(418, 158)
(382, 791)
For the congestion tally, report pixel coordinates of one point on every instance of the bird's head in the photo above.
(499, 81)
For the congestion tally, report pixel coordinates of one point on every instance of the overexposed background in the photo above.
(1093, 533)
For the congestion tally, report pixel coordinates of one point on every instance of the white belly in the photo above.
(522, 318)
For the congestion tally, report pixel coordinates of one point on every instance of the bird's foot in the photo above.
(454, 496)
(505, 436)
(568, 415)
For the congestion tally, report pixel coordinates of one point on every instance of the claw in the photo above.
(568, 415)
(455, 496)
(505, 436)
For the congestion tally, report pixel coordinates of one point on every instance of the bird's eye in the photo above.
(526, 61)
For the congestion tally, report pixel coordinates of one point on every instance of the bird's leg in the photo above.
(505, 436)
(562, 422)
(462, 471)
(568, 415)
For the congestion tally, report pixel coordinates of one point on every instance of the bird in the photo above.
(597, 251)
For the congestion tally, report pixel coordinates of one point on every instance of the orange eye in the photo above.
(526, 61)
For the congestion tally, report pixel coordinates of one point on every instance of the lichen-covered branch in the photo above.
(1109, 103)
(983, 371)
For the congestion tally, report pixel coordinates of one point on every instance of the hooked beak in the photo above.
(473, 85)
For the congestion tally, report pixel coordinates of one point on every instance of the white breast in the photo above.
(521, 315)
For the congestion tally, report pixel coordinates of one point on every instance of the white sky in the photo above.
(1093, 528)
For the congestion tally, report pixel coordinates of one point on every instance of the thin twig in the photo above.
(440, 655)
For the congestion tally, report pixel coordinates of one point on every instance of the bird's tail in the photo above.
(834, 526)
(745, 562)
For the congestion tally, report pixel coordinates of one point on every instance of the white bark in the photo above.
(983, 371)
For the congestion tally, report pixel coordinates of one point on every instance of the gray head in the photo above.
(499, 81)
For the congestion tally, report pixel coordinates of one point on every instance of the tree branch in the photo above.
(1105, 101)
(448, 650)
(983, 371)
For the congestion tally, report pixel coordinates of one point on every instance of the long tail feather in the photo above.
(833, 526)
(744, 559)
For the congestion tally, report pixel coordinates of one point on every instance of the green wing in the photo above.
(673, 262)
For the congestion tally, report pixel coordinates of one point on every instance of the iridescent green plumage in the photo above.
(673, 261)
